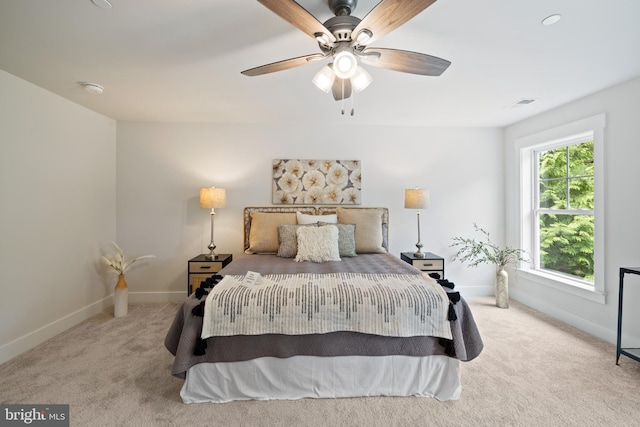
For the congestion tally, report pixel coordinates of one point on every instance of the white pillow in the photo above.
(312, 219)
(318, 244)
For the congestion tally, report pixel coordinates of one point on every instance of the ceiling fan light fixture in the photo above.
(344, 63)
(360, 80)
(324, 78)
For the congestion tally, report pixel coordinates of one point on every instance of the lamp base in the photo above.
(418, 253)
(211, 254)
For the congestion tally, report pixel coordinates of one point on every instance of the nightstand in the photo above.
(430, 263)
(201, 267)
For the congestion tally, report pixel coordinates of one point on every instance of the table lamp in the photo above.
(212, 198)
(417, 198)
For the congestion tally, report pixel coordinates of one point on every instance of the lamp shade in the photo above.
(324, 79)
(361, 79)
(212, 197)
(344, 62)
(416, 198)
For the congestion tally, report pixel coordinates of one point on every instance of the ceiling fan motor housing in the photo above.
(342, 7)
(342, 27)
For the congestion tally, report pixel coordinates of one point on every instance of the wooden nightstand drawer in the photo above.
(203, 267)
(429, 264)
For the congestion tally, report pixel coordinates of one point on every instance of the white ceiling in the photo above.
(180, 60)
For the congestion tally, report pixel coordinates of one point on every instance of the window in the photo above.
(563, 209)
(561, 216)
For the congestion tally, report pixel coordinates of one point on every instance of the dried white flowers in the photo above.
(118, 262)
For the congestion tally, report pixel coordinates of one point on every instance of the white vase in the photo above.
(120, 298)
(502, 289)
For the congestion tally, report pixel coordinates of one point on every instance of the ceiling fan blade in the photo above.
(388, 15)
(405, 61)
(339, 91)
(297, 16)
(282, 65)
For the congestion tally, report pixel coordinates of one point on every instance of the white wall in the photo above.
(622, 228)
(160, 168)
(57, 187)
(62, 191)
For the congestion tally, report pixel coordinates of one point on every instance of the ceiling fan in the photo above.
(346, 39)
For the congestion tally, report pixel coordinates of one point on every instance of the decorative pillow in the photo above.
(288, 240)
(385, 234)
(346, 238)
(368, 224)
(312, 219)
(263, 236)
(318, 244)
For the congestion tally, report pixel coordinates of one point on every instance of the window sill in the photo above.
(566, 285)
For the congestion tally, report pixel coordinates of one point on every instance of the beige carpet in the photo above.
(534, 371)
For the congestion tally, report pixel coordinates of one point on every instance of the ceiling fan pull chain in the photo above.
(353, 101)
(342, 84)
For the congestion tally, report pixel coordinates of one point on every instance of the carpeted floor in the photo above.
(534, 371)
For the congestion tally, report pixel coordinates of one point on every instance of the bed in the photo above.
(223, 357)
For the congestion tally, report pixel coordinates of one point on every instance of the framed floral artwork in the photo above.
(316, 182)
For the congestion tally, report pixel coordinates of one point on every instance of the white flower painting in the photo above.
(311, 182)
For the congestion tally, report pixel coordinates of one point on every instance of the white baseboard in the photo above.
(599, 331)
(142, 297)
(40, 335)
(27, 342)
(475, 291)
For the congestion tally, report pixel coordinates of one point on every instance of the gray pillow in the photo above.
(346, 238)
(287, 239)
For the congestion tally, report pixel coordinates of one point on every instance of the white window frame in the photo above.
(556, 137)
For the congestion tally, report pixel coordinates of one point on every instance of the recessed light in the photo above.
(93, 88)
(102, 4)
(551, 19)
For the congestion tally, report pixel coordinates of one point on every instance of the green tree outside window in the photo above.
(565, 210)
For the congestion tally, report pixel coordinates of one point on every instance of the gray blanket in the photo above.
(184, 333)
